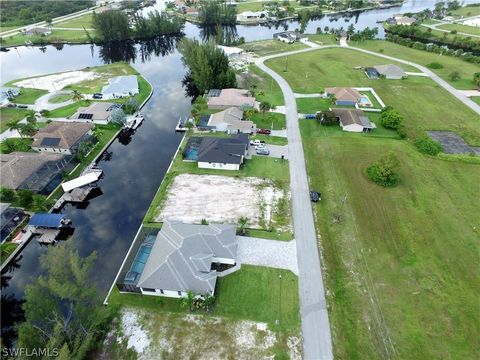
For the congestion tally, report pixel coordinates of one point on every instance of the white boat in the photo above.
(134, 122)
(181, 125)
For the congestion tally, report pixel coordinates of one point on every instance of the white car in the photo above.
(260, 146)
(257, 142)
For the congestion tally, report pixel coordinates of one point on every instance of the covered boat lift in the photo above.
(80, 181)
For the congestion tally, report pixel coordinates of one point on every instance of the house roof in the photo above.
(181, 257)
(223, 150)
(231, 97)
(62, 135)
(17, 167)
(232, 119)
(98, 111)
(47, 220)
(390, 70)
(405, 20)
(352, 116)
(344, 94)
(121, 84)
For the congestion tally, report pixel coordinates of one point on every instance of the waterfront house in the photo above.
(7, 94)
(62, 137)
(183, 258)
(38, 172)
(289, 36)
(97, 113)
(225, 98)
(120, 86)
(390, 71)
(344, 96)
(42, 31)
(230, 121)
(251, 17)
(222, 153)
(404, 20)
(353, 120)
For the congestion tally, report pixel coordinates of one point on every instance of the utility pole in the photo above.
(286, 64)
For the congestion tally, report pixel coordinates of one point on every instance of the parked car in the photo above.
(264, 131)
(310, 116)
(98, 96)
(262, 151)
(11, 105)
(260, 146)
(315, 196)
(22, 106)
(256, 142)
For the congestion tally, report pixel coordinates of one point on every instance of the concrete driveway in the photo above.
(276, 151)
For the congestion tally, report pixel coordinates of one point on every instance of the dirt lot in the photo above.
(173, 336)
(57, 81)
(192, 198)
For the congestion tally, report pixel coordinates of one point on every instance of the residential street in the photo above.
(317, 342)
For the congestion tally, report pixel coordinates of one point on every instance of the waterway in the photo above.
(133, 167)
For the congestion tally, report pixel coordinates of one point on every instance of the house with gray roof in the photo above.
(231, 121)
(62, 137)
(7, 94)
(182, 256)
(121, 86)
(222, 153)
(38, 172)
(97, 112)
(390, 71)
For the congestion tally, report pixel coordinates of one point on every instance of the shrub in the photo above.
(427, 145)
(326, 118)
(435, 65)
(391, 119)
(384, 171)
(6, 195)
(454, 76)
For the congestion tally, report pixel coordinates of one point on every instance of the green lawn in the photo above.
(6, 250)
(68, 110)
(461, 28)
(269, 47)
(252, 293)
(266, 120)
(11, 115)
(394, 280)
(312, 105)
(421, 57)
(323, 39)
(467, 11)
(416, 98)
(57, 36)
(59, 98)
(476, 99)
(28, 95)
(269, 139)
(78, 22)
(265, 83)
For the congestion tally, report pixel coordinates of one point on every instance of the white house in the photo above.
(251, 17)
(97, 113)
(230, 121)
(222, 153)
(353, 120)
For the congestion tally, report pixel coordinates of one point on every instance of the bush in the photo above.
(391, 119)
(427, 145)
(454, 76)
(384, 171)
(326, 118)
(6, 195)
(435, 65)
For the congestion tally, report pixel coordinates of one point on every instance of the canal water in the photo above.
(133, 167)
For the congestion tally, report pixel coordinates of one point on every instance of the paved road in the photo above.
(317, 342)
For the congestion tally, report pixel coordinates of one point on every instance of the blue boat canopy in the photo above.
(47, 220)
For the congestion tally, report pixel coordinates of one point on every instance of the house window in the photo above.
(179, 293)
(161, 291)
(148, 290)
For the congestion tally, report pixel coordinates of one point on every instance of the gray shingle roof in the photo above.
(390, 70)
(182, 255)
(67, 133)
(223, 150)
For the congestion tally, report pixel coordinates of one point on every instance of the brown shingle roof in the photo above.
(344, 94)
(16, 167)
(69, 133)
(232, 97)
(352, 116)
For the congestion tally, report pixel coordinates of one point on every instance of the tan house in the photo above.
(230, 121)
(225, 98)
(61, 137)
(344, 96)
(98, 113)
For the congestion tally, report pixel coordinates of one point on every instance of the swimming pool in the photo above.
(365, 101)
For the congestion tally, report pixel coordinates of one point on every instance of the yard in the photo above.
(28, 96)
(57, 36)
(57, 99)
(411, 97)
(312, 105)
(269, 119)
(421, 57)
(253, 295)
(396, 287)
(264, 83)
(11, 115)
(461, 28)
(76, 23)
(323, 39)
(269, 47)
(467, 11)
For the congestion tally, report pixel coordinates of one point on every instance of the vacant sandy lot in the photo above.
(57, 81)
(192, 198)
(174, 336)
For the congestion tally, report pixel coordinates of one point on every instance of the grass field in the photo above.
(266, 120)
(11, 115)
(323, 39)
(59, 98)
(6, 250)
(396, 287)
(461, 28)
(416, 98)
(476, 99)
(467, 11)
(269, 47)
(312, 105)
(68, 110)
(269, 87)
(252, 293)
(424, 58)
(28, 96)
(76, 23)
(57, 36)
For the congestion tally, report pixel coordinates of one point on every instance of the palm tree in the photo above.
(188, 301)
(208, 300)
(77, 96)
(265, 106)
(242, 222)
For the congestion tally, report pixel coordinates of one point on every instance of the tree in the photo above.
(83, 149)
(40, 203)
(27, 130)
(391, 119)
(242, 223)
(265, 106)
(209, 301)
(62, 309)
(350, 30)
(119, 117)
(384, 171)
(6, 195)
(476, 79)
(76, 95)
(326, 118)
(427, 145)
(131, 106)
(188, 300)
(111, 25)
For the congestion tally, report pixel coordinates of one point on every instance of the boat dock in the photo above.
(47, 236)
